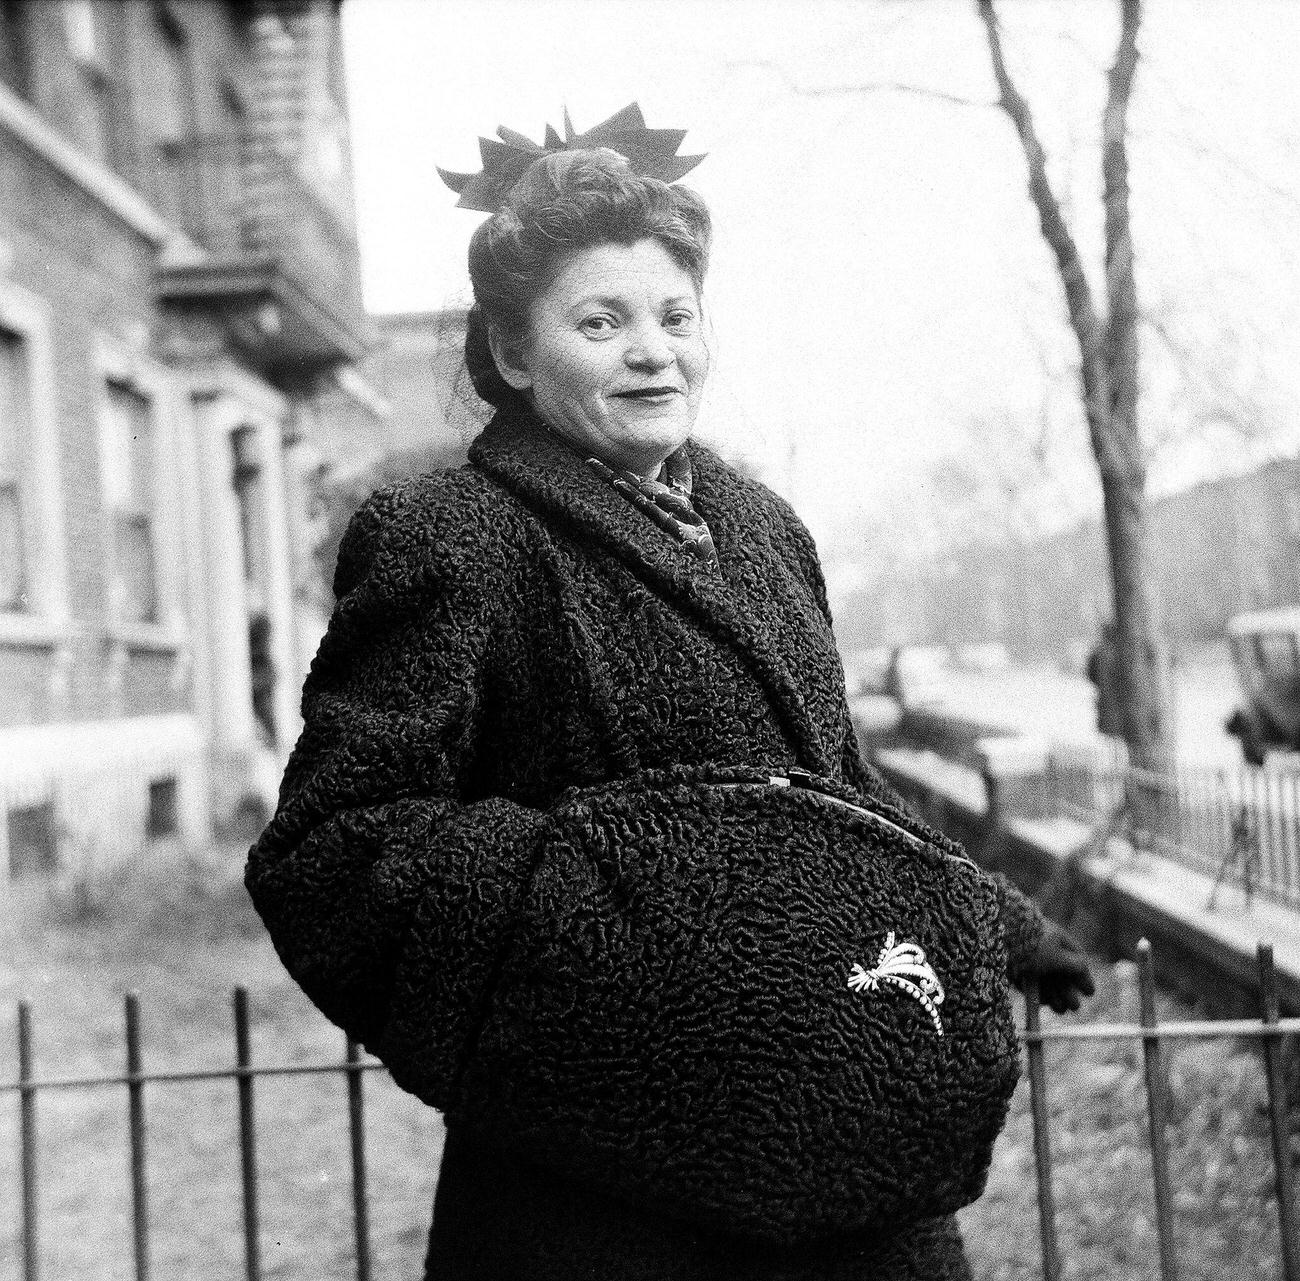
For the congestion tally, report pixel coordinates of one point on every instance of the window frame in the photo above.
(11, 477)
(93, 55)
(169, 31)
(116, 365)
(44, 620)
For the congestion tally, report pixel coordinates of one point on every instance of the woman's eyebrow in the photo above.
(596, 300)
(616, 301)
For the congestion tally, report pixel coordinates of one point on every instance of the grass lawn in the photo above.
(184, 939)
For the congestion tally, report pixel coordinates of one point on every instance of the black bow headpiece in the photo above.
(651, 153)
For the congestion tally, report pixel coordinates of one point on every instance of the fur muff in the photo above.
(782, 1016)
(504, 634)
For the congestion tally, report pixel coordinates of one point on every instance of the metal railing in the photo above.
(1269, 1031)
(134, 1080)
(1242, 824)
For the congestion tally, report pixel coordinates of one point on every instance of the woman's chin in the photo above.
(646, 461)
(649, 432)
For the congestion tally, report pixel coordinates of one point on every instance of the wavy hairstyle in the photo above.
(568, 201)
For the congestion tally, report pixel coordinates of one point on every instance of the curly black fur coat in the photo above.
(508, 638)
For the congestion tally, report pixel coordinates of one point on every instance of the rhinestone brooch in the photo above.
(903, 965)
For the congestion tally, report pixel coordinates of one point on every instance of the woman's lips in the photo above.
(652, 395)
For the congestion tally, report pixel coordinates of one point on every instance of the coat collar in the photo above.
(517, 452)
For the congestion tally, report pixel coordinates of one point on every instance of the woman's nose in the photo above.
(648, 349)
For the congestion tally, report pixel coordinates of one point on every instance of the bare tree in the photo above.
(1108, 366)
(1213, 397)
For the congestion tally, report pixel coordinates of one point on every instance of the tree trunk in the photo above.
(1140, 656)
(1108, 370)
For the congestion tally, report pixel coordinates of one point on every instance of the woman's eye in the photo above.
(597, 326)
(679, 321)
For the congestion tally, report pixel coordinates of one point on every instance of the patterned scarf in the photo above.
(667, 504)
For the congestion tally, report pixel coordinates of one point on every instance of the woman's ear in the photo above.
(509, 359)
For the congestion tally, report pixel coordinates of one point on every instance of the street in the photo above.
(1044, 701)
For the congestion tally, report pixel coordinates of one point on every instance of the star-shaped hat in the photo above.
(651, 153)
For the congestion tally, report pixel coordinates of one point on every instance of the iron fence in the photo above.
(1242, 824)
(1269, 1031)
(134, 1080)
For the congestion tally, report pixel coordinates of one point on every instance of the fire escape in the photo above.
(280, 271)
(269, 203)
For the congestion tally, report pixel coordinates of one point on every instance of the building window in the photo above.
(15, 51)
(15, 446)
(91, 36)
(1291, 500)
(245, 478)
(172, 107)
(180, 181)
(129, 495)
(33, 840)
(162, 818)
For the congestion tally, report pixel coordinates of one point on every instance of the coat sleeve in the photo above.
(387, 885)
(1022, 926)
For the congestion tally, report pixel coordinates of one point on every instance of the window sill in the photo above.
(31, 631)
(158, 638)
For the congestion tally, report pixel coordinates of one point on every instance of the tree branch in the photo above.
(1087, 325)
(1184, 110)
(1222, 402)
(1121, 291)
(856, 90)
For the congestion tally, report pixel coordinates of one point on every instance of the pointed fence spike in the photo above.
(135, 1106)
(1042, 1137)
(27, 1142)
(357, 1135)
(247, 1138)
(1157, 1111)
(1275, 1079)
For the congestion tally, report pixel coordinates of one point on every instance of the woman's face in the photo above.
(615, 355)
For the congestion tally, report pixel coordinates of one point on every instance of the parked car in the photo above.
(1266, 654)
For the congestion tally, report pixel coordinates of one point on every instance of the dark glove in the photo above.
(1061, 968)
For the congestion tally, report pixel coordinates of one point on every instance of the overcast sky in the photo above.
(879, 283)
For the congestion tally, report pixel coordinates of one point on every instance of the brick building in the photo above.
(179, 298)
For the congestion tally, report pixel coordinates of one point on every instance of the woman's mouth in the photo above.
(649, 395)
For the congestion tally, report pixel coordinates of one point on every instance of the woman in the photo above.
(578, 838)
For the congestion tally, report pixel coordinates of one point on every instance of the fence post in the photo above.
(1277, 1115)
(247, 1139)
(139, 1177)
(357, 1133)
(27, 1113)
(1042, 1138)
(1156, 1112)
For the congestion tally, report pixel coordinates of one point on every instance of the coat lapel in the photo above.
(522, 456)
